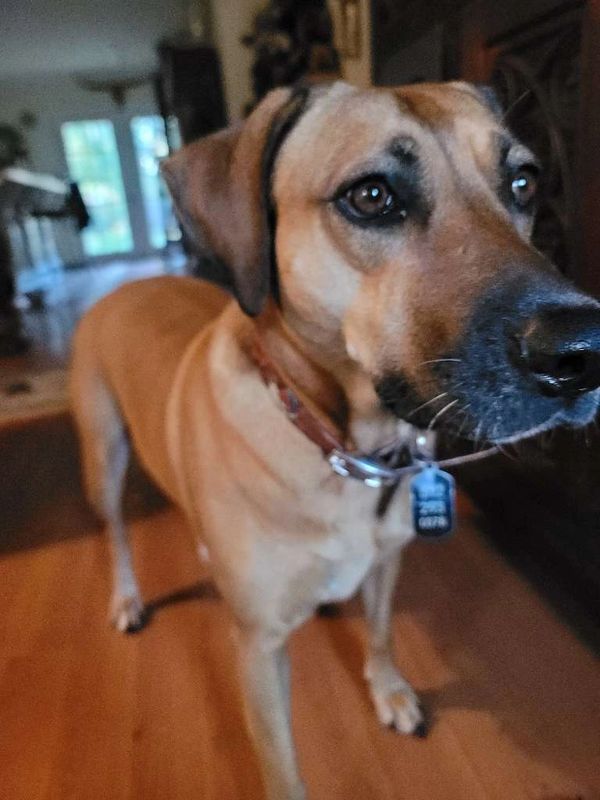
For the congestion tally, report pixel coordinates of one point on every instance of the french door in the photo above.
(118, 175)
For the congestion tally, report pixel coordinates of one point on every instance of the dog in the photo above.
(377, 246)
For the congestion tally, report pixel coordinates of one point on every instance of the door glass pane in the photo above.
(93, 160)
(151, 146)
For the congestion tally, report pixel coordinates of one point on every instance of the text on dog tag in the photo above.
(433, 499)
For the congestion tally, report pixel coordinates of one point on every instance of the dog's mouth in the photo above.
(492, 413)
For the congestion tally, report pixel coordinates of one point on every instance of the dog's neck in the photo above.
(340, 395)
(315, 385)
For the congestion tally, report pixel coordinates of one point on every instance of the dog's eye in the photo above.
(524, 186)
(371, 199)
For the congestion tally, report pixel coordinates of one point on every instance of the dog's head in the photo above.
(400, 221)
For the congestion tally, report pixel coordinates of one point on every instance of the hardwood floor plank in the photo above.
(87, 713)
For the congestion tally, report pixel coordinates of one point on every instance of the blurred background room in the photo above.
(92, 97)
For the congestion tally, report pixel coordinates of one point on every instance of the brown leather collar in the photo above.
(386, 466)
(297, 412)
(342, 457)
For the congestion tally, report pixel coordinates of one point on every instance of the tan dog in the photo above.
(378, 243)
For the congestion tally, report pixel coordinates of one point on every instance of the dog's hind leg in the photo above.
(395, 702)
(105, 454)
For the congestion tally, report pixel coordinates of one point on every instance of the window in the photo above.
(93, 160)
(150, 143)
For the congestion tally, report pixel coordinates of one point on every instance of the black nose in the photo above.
(560, 348)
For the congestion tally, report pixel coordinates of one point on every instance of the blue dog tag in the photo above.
(433, 502)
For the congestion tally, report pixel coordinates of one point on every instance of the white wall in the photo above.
(51, 37)
(60, 99)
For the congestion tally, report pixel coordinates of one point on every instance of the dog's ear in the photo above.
(221, 189)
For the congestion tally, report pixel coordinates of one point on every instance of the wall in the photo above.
(51, 37)
(59, 100)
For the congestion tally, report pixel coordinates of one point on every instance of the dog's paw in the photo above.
(127, 614)
(396, 704)
(401, 711)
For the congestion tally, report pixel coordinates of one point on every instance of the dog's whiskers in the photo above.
(505, 452)
(441, 413)
(462, 410)
(515, 103)
(440, 361)
(477, 433)
(425, 404)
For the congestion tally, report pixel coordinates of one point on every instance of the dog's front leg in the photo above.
(395, 702)
(265, 674)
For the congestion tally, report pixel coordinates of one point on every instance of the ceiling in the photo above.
(53, 37)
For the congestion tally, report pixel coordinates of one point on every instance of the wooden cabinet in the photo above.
(543, 57)
(190, 87)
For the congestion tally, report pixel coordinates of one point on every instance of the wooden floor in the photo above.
(50, 327)
(87, 714)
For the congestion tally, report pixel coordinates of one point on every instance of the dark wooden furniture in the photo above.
(543, 58)
(190, 87)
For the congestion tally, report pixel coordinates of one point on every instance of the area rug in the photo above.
(32, 394)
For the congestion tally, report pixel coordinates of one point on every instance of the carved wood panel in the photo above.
(535, 69)
(543, 57)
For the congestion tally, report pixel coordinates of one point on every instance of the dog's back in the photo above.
(128, 344)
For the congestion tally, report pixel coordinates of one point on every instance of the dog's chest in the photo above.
(356, 537)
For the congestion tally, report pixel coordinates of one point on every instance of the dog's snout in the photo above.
(560, 349)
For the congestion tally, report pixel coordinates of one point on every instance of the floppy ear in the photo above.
(221, 189)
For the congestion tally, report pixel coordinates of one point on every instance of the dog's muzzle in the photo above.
(527, 360)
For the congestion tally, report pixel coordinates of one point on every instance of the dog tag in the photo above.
(433, 502)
